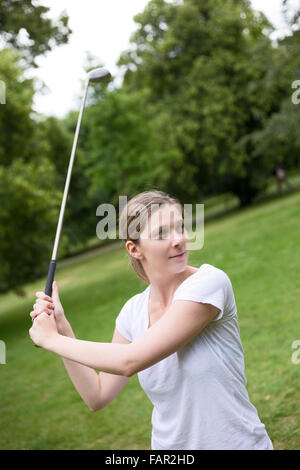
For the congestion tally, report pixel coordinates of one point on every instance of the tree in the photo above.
(27, 222)
(24, 25)
(278, 140)
(17, 127)
(57, 136)
(29, 199)
(127, 149)
(208, 62)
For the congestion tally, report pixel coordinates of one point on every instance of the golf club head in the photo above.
(98, 75)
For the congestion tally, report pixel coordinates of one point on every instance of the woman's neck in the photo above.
(162, 290)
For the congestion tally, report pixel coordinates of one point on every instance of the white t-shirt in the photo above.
(199, 392)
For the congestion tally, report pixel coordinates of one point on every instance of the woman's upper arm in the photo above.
(118, 338)
(182, 322)
(110, 384)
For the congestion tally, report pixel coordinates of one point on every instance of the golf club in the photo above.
(96, 75)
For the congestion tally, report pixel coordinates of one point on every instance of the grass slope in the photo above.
(258, 248)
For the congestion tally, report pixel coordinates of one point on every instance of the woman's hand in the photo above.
(43, 330)
(50, 305)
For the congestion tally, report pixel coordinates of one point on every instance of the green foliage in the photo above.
(24, 25)
(279, 140)
(205, 108)
(27, 221)
(28, 192)
(125, 144)
(211, 60)
(279, 137)
(80, 215)
(16, 125)
(58, 143)
(30, 197)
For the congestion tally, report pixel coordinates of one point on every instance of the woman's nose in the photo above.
(180, 238)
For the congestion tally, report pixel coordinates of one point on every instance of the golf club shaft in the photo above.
(52, 265)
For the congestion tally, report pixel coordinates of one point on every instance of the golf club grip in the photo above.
(50, 278)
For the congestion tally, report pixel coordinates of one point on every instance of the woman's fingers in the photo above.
(34, 314)
(43, 296)
(43, 304)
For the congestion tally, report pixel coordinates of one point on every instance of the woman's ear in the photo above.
(133, 250)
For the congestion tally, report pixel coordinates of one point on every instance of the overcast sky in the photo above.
(103, 29)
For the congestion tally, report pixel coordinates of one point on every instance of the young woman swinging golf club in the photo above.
(180, 335)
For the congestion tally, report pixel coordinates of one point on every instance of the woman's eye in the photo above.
(162, 233)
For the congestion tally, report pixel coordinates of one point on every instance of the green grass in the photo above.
(256, 247)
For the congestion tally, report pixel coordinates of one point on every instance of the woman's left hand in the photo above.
(43, 330)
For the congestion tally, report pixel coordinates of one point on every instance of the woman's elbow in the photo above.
(130, 365)
(94, 409)
(94, 406)
(129, 371)
(134, 368)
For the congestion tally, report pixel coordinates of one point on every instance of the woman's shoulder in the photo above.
(210, 268)
(208, 273)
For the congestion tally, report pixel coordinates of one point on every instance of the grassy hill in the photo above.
(257, 247)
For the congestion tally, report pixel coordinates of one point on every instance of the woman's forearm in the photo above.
(106, 357)
(85, 379)
(65, 329)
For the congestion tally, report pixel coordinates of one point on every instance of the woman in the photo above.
(180, 335)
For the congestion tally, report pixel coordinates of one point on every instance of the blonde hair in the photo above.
(139, 206)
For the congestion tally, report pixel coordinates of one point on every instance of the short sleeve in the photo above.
(123, 321)
(209, 287)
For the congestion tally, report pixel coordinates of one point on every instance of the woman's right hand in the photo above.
(50, 305)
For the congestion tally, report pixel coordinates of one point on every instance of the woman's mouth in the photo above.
(178, 256)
